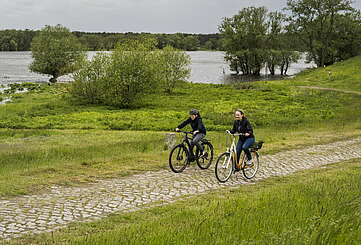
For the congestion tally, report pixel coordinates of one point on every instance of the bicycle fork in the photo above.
(179, 155)
(227, 161)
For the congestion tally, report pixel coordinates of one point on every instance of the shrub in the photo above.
(174, 68)
(134, 69)
(89, 81)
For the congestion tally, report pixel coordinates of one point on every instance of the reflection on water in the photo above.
(206, 67)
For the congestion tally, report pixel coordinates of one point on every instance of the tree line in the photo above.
(20, 40)
(328, 31)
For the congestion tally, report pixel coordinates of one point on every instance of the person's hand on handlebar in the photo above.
(246, 134)
(195, 132)
(177, 129)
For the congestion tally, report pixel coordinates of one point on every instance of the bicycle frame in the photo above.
(224, 170)
(233, 150)
(186, 141)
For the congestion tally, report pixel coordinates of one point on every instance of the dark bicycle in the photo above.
(181, 155)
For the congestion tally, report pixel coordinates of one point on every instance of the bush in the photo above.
(174, 65)
(132, 72)
(134, 69)
(89, 81)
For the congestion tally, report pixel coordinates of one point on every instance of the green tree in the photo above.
(274, 42)
(174, 67)
(281, 51)
(191, 43)
(348, 43)
(56, 52)
(321, 24)
(244, 40)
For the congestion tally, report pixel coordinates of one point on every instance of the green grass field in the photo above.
(49, 139)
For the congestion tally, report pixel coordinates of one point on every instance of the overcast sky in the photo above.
(155, 16)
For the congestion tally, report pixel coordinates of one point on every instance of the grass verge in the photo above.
(320, 206)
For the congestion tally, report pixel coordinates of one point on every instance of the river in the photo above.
(206, 67)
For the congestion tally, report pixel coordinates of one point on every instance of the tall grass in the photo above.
(72, 157)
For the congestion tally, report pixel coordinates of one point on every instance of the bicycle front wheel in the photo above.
(250, 170)
(224, 167)
(205, 161)
(178, 158)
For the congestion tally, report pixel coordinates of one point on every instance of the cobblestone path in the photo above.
(46, 212)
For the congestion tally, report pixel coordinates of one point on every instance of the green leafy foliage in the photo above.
(174, 68)
(133, 70)
(330, 29)
(56, 52)
(255, 38)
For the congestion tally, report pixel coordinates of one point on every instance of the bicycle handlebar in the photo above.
(185, 132)
(240, 134)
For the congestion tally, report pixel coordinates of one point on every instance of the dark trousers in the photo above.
(244, 145)
(197, 141)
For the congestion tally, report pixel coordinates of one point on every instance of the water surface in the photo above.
(206, 67)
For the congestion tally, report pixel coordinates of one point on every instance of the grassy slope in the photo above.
(344, 75)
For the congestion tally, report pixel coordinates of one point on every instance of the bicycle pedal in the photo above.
(248, 165)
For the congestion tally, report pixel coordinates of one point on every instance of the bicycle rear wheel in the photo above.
(224, 167)
(249, 171)
(205, 161)
(178, 158)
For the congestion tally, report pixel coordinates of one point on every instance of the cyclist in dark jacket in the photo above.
(199, 131)
(242, 125)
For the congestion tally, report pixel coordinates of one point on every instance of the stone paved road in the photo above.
(46, 212)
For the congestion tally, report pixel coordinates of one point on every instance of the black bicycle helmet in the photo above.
(194, 112)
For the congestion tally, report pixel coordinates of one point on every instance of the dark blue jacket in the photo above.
(242, 126)
(196, 124)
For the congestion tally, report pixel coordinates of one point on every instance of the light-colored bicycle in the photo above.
(227, 161)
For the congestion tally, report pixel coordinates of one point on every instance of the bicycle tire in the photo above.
(205, 162)
(250, 171)
(224, 167)
(182, 158)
